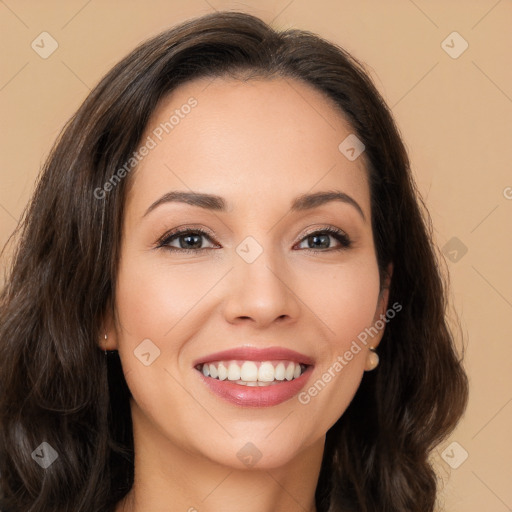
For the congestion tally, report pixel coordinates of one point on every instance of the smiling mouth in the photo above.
(253, 373)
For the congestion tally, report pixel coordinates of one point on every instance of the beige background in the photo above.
(455, 116)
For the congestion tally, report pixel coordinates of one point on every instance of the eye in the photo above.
(189, 240)
(320, 238)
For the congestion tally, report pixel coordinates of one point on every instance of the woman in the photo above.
(225, 294)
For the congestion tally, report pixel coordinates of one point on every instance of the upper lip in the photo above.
(256, 354)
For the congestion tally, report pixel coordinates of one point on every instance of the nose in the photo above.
(261, 292)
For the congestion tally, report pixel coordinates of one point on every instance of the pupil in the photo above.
(325, 239)
(188, 238)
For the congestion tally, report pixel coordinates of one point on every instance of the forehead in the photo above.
(247, 139)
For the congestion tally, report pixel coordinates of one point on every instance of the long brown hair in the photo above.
(55, 384)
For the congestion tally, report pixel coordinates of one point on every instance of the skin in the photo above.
(258, 144)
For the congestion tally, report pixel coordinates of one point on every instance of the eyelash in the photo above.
(338, 234)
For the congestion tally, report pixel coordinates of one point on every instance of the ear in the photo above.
(382, 304)
(108, 328)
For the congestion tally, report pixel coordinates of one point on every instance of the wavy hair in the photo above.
(55, 384)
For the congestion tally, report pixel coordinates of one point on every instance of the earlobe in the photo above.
(108, 338)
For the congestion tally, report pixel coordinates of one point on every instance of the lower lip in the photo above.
(256, 396)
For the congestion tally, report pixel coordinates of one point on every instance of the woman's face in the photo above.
(257, 279)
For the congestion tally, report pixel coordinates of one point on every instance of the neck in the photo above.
(167, 476)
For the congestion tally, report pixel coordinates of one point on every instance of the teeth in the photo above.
(288, 374)
(233, 371)
(280, 371)
(266, 372)
(253, 373)
(222, 370)
(213, 372)
(248, 372)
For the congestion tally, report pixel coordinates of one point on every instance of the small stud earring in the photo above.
(106, 343)
(372, 361)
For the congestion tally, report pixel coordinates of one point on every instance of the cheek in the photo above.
(161, 303)
(345, 303)
(153, 302)
(344, 298)
(153, 297)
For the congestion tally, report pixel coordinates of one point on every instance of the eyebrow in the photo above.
(217, 203)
